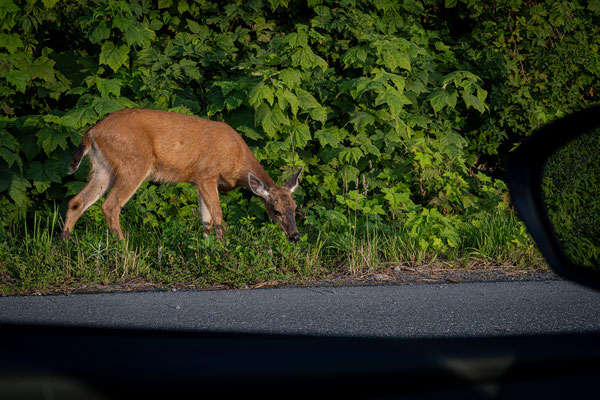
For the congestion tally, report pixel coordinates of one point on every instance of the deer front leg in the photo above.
(207, 222)
(210, 197)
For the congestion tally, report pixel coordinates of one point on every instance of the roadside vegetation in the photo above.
(401, 112)
(174, 253)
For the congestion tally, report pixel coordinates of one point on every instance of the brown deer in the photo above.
(130, 145)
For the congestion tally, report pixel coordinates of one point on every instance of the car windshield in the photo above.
(182, 152)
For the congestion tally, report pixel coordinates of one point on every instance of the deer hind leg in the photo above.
(123, 188)
(210, 198)
(99, 182)
(207, 222)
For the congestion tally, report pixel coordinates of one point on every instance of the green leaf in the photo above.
(29, 146)
(327, 137)
(319, 114)
(305, 58)
(10, 157)
(79, 117)
(52, 171)
(364, 84)
(99, 33)
(262, 117)
(155, 24)
(46, 172)
(106, 87)
(403, 62)
(41, 186)
(74, 187)
(437, 100)
(440, 98)
(307, 100)
(278, 117)
(18, 79)
(15, 184)
(481, 94)
(361, 119)
(460, 79)
(49, 140)
(139, 34)
(49, 3)
(105, 106)
(351, 154)
(7, 140)
(250, 133)
(300, 135)
(227, 86)
(191, 69)
(331, 183)
(165, 3)
(201, 32)
(114, 56)
(43, 67)
(473, 101)
(355, 55)
(6, 7)
(122, 21)
(372, 149)
(296, 39)
(10, 42)
(286, 98)
(234, 101)
(18, 188)
(260, 92)
(450, 3)
(392, 53)
(394, 99)
(291, 77)
(398, 81)
(36, 171)
(182, 6)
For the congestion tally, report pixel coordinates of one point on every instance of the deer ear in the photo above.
(257, 186)
(294, 181)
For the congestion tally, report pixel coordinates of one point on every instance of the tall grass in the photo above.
(500, 238)
(33, 259)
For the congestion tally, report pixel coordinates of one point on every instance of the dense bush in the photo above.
(571, 189)
(399, 110)
(539, 61)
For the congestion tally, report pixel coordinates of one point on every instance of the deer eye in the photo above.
(277, 213)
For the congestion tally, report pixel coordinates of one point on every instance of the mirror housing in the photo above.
(524, 171)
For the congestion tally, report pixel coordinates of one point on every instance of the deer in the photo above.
(131, 145)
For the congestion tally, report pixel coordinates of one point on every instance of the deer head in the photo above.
(279, 203)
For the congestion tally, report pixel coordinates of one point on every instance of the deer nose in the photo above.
(294, 237)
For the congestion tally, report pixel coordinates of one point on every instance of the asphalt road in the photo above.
(400, 311)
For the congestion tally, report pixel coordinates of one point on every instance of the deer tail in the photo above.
(81, 151)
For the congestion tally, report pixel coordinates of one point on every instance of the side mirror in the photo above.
(554, 182)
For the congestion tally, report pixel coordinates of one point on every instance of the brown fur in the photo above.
(131, 145)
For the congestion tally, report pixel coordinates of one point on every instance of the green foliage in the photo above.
(538, 61)
(392, 106)
(571, 188)
(34, 260)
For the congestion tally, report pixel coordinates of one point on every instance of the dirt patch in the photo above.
(442, 273)
(393, 275)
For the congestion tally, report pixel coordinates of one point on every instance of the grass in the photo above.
(34, 260)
